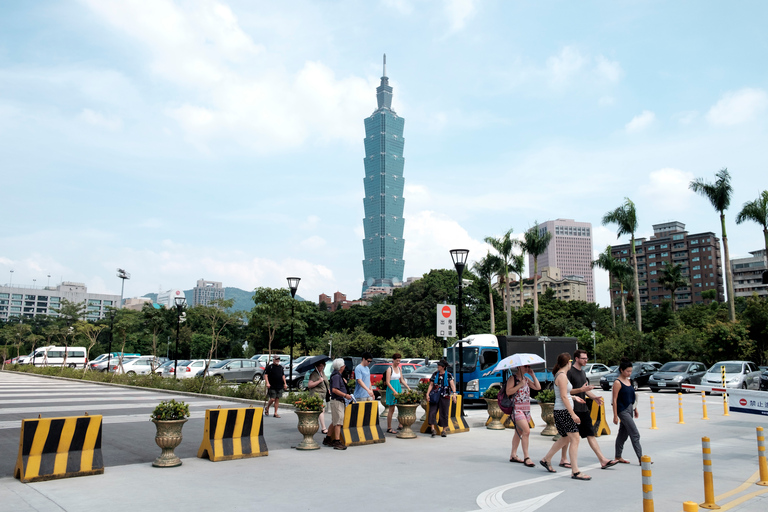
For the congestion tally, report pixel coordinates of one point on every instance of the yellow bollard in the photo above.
(725, 393)
(709, 484)
(761, 457)
(645, 462)
(653, 416)
(690, 506)
(704, 405)
(680, 408)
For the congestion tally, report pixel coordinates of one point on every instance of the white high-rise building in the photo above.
(570, 250)
(29, 301)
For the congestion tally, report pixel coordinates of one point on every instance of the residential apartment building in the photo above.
(570, 250)
(698, 254)
(339, 301)
(748, 275)
(206, 291)
(566, 287)
(30, 301)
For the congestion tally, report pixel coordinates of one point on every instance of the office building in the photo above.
(383, 203)
(30, 301)
(566, 287)
(698, 254)
(168, 298)
(570, 250)
(206, 291)
(748, 275)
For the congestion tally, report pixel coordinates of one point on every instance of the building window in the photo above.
(678, 237)
(697, 276)
(695, 249)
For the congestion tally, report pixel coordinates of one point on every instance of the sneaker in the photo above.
(338, 445)
(442, 434)
(328, 441)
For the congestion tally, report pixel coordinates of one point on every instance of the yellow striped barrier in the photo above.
(597, 414)
(59, 448)
(709, 484)
(645, 463)
(361, 424)
(456, 423)
(653, 416)
(761, 457)
(725, 393)
(680, 408)
(704, 405)
(231, 434)
(690, 506)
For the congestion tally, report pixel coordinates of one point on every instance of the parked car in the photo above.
(594, 371)
(167, 368)
(236, 370)
(641, 373)
(738, 374)
(764, 381)
(101, 366)
(378, 370)
(417, 360)
(191, 368)
(143, 365)
(420, 374)
(674, 374)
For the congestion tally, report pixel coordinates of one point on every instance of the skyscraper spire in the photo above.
(384, 91)
(385, 65)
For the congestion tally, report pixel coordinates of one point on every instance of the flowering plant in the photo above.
(169, 410)
(312, 403)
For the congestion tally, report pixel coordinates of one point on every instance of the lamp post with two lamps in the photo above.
(179, 302)
(459, 257)
(293, 284)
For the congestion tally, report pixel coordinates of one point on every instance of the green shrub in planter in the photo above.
(491, 393)
(169, 410)
(312, 403)
(546, 396)
(410, 397)
(381, 385)
(422, 388)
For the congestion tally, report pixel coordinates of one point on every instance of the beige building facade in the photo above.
(565, 287)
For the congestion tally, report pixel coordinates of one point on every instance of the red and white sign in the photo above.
(742, 402)
(446, 321)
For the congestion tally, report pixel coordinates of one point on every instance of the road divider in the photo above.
(456, 423)
(231, 434)
(597, 414)
(361, 424)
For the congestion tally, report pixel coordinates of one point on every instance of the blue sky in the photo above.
(223, 140)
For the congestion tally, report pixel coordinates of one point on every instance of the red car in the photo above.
(378, 370)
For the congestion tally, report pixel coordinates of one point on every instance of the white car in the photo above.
(594, 371)
(738, 374)
(192, 368)
(143, 365)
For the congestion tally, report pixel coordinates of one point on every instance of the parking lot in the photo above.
(463, 472)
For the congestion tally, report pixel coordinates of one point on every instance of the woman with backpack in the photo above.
(442, 389)
(518, 387)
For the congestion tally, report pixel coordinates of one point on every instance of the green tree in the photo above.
(671, 279)
(709, 295)
(756, 211)
(218, 316)
(272, 311)
(535, 242)
(503, 246)
(719, 195)
(607, 262)
(625, 218)
(486, 268)
(625, 280)
(91, 333)
(517, 265)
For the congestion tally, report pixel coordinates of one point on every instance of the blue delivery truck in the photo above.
(482, 352)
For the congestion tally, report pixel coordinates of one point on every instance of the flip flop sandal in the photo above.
(515, 459)
(390, 431)
(565, 465)
(531, 465)
(623, 461)
(576, 476)
(325, 431)
(547, 466)
(277, 416)
(609, 464)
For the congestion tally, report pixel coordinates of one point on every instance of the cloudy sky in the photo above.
(223, 140)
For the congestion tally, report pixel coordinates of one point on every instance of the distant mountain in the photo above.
(243, 300)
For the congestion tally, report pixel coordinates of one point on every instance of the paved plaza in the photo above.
(463, 472)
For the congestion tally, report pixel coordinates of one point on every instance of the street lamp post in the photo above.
(594, 354)
(293, 284)
(180, 302)
(459, 257)
(122, 274)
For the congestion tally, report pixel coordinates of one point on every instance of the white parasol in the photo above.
(516, 360)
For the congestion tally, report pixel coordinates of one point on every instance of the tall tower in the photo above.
(383, 202)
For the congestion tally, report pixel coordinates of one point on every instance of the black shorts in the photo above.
(586, 429)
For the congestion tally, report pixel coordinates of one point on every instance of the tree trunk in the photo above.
(509, 303)
(623, 305)
(728, 279)
(535, 297)
(493, 315)
(638, 311)
(610, 299)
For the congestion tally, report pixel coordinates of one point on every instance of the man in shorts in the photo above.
(581, 388)
(275, 379)
(363, 390)
(339, 399)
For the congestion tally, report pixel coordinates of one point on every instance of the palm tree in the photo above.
(535, 242)
(719, 194)
(607, 262)
(625, 218)
(625, 278)
(486, 268)
(672, 279)
(517, 265)
(757, 211)
(503, 246)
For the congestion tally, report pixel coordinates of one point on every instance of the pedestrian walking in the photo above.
(318, 385)
(395, 381)
(441, 390)
(566, 420)
(518, 387)
(339, 398)
(275, 384)
(624, 407)
(363, 390)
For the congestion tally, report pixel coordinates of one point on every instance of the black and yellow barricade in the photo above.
(361, 424)
(233, 434)
(59, 448)
(456, 423)
(508, 422)
(597, 414)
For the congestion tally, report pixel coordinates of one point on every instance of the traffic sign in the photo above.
(446, 320)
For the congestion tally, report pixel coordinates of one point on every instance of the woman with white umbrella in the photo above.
(518, 387)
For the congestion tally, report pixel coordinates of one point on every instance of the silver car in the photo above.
(738, 374)
(674, 374)
(422, 372)
(236, 370)
(594, 371)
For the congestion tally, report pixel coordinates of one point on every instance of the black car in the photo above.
(641, 373)
(764, 381)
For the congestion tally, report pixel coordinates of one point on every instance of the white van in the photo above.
(54, 356)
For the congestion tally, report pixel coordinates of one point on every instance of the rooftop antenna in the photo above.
(385, 65)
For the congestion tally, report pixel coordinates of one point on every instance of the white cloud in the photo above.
(404, 7)
(100, 120)
(571, 65)
(566, 64)
(313, 242)
(606, 101)
(667, 190)
(686, 117)
(640, 122)
(607, 69)
(459, 12)
(736, 107)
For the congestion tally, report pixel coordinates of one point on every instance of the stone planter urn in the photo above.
(168, 437)
(424, 406)
(406, 415)
(383, 400)
(308, 425)
(494, 411)
(548, 415)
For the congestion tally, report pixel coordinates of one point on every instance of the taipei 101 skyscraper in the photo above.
(383, 223)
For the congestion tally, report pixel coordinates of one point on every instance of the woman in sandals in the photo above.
(318, 385)
(443, 385)
(519, 387)
(566, 420)
(624, 405)
(395, 380)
